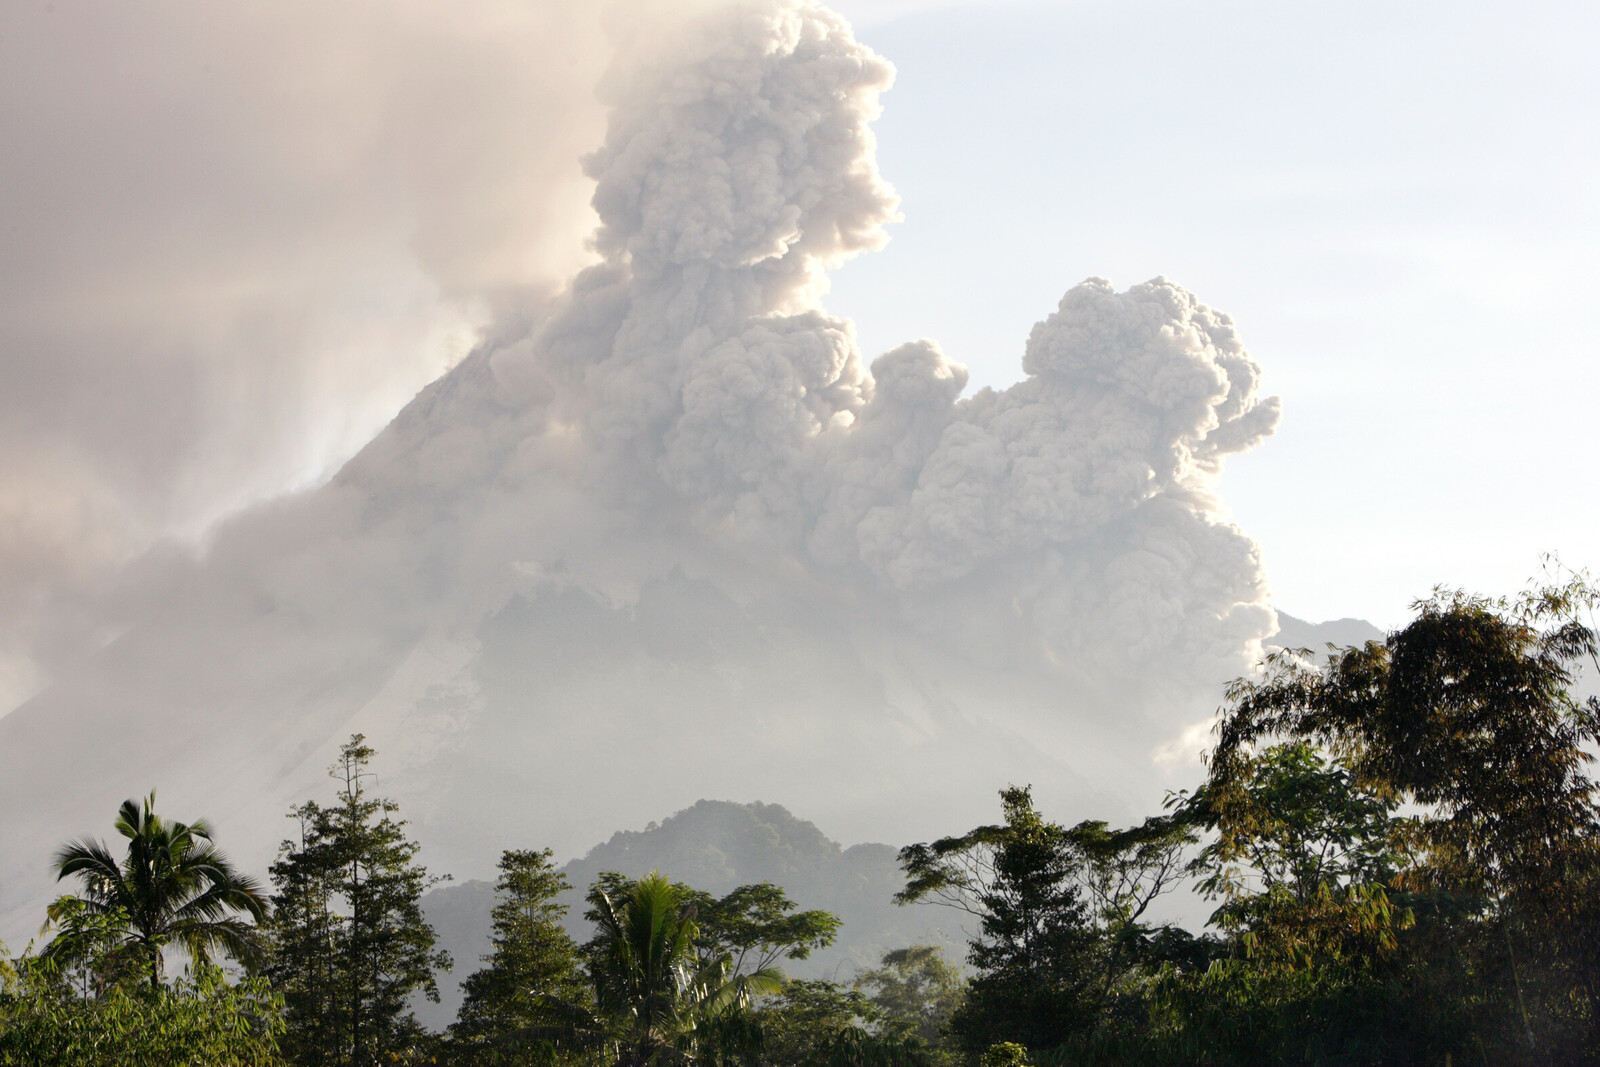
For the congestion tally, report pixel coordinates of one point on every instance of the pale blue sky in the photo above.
(1397, 202)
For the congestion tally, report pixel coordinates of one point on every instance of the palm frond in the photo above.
(174, 885)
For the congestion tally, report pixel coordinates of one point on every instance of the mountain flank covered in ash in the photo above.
(717, 846)
(680, 537)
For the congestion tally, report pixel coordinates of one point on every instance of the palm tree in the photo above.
(660, 1001)
(175, 887)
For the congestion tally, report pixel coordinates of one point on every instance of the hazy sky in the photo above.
(238, 239)
(1395, 200)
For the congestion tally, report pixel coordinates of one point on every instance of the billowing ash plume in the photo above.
(677, 540)
(695, 356)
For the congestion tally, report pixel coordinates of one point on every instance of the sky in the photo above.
(238, 243)
(1394, 201)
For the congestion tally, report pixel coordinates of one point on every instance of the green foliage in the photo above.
(1463, 932)
(1122, 872)
(174, 887)
(1404, 844)
(916, 990)
(664, 992)
(1467, 714)
(1303, 857)
(1060, 913)
(1035, 953)
(349, 941)
(534, 961)
(755, 926)
(1287, 817)
(1004, 1054)
(1235, 1014)
(200, 1020)
(717, 845)
(800, 1024)
(855, 1047)
(91, 949)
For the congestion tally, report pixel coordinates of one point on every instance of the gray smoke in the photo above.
(696, 355)
(667, 535)
(237, 241)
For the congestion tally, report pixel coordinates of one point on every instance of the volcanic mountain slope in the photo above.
(677, 538)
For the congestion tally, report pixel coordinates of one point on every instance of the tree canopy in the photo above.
(534, 963)
(350, 944)
(173, 887)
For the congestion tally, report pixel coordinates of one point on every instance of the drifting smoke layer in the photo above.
(238, 239)
(680, 511)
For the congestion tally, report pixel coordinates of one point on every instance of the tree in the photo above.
(1035, 951)
(1303, 859)
(661, 995)
(1287, 818)
(755, 925)
(892, 1016)
(1123, 872)
(198, 1021)
(1466, 712)
(533, 958)
(174, 887)
(666, 994)
(1467, 715)
(916, 990)
(805, 1021)
(349, 941)
(855, 1047)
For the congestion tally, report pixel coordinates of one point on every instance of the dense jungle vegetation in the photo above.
(1401, 842)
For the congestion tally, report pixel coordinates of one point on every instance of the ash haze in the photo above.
(663, 523)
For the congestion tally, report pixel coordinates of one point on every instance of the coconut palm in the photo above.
(660, 997)
(175, 887)
(660, 1000)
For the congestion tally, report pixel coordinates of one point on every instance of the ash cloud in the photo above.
(237, 241)
(674, 504)
(707, 362)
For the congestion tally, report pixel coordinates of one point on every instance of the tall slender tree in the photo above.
(349, 939)
(534, 959)
(1036, 953)
(174, 887)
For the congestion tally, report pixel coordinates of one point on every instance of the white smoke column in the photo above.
(1084, 495)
